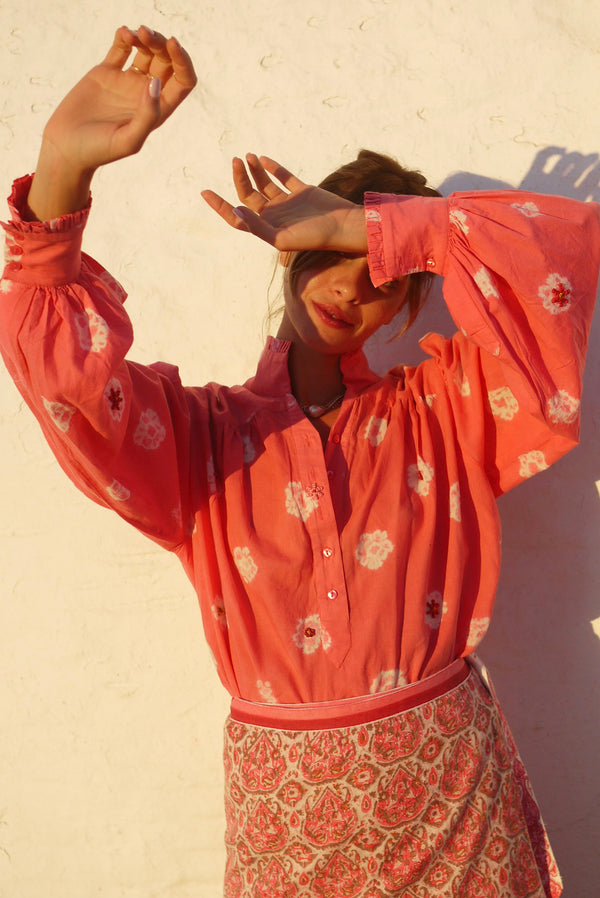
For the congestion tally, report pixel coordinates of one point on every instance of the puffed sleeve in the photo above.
(520, 277)
(119, 430)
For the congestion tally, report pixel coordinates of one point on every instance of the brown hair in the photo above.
(372, 171)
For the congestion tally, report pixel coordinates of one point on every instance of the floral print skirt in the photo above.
(428, 800)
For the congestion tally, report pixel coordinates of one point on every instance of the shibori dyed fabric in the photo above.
(433, 800)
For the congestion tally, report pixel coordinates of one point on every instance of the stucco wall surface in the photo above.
(110, 709)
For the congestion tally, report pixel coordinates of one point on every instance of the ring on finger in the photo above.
(135, 68)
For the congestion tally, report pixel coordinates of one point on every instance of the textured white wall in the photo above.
(111, 713)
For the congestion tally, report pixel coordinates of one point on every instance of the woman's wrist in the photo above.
(357, 229)
(57, 187)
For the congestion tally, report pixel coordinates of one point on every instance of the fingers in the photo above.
(152, 57)
(124, 40)
(240, 218)
(256, 198)
(261, 178)
(289, 181)
(182, 79)
(224, 209)
(157, 57)
(244, 188)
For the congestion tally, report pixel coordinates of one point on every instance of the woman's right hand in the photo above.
(108, 115)
(293, 217)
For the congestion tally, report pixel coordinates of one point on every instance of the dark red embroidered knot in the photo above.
(115, 397)
(560, 296)
(433, 607)
(310, 632)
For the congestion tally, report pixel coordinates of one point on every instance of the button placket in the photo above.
(311, 470)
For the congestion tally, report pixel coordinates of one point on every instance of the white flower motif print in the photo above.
(375, 430)
(455, 514)
(265, 690)
(92, 330)
(460, 220)
(60, 413)
(556, 294)
(150, 432)
(386, 680)
(529, 210)
(244, 563)
(477, 630)
(299, 502)
(118, 492)
(372, 215)
(218, 612)
(503, 403)
(531, 463)
(483, 280)
(563, 408)
(373, 549)
(6, 285)
(113, 285)
(434, 609)
(420, 477)
(462, 382)
(113, 394)
(12, 250)
(310, 634)
(430, 399)
(249, 450)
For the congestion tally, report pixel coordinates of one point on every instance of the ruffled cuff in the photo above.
(405, 234)
(42, 252)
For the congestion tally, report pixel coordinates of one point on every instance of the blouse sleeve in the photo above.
(119, 430)
(520, 276)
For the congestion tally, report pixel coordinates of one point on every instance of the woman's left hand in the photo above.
(296, 216)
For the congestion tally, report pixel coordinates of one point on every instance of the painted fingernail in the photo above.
(239, 212)
(155, 86)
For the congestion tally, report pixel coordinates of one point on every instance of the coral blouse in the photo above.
(323, 574)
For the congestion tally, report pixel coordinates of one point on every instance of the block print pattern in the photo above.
(432, 801)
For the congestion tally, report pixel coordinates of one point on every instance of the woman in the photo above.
(339, 528)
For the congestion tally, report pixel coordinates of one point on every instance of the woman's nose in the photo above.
(351, 280)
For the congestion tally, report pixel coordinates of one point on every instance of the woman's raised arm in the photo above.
(108, 115)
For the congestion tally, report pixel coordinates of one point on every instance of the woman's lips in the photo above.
(333, 316)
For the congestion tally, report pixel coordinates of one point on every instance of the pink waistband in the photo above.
(350, 711)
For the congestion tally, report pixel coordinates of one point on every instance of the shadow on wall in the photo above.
(542, 650)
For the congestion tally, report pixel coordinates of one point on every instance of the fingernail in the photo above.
(173, 38)
(155, 86)
(239, 212)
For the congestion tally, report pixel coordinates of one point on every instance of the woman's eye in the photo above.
(389, 285)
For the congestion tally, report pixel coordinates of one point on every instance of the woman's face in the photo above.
(335, 309)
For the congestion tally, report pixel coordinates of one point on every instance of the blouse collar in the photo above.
(272, 375)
